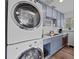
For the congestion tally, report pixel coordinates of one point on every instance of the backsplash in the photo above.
(47, 29)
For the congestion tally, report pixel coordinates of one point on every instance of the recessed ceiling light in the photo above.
(61, 1)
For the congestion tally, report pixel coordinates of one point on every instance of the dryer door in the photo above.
(26, 15)
(33, 53)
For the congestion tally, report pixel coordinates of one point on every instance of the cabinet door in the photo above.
(47, 46)
(56, 44)
(71, 38)
(62, 19)
(44, 7)
(58, 19)
(59, 42)
(49, 12)
(54, 13)
(53, 46)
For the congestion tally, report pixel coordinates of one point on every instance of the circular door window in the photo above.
(26, 16)
(33, 53)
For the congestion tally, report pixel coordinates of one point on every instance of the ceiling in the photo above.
(64, 7)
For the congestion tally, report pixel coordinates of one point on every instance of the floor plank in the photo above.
(65, 53)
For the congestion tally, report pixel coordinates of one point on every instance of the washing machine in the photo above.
(24, 21)
(27, 50)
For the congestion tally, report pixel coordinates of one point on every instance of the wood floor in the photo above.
(65, 53)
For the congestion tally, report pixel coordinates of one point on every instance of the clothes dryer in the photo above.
(24, 21)
(27, 50)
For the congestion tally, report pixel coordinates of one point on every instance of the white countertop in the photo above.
(46, 36)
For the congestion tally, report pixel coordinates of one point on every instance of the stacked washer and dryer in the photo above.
(24, 30)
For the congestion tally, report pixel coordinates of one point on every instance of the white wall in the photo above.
(69, 14)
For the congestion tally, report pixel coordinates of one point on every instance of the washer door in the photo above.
(33, 53)
(26, 16)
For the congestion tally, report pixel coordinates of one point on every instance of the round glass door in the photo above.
(26, 16)
(33, 53)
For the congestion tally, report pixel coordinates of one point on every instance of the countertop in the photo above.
(46, 36)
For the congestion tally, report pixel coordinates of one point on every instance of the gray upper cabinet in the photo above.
(62, 19)
(44, 7)
(58, 19)
(54, 13)
(49, 12)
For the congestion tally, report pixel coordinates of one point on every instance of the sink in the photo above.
(56, 34)
(50, 35)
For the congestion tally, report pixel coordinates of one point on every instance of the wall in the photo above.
(69, 14)
(69, 20)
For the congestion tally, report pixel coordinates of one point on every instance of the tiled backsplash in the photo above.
(47, 29)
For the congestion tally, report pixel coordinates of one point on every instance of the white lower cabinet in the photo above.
(71, 38)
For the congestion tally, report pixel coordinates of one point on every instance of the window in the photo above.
(69, 23)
